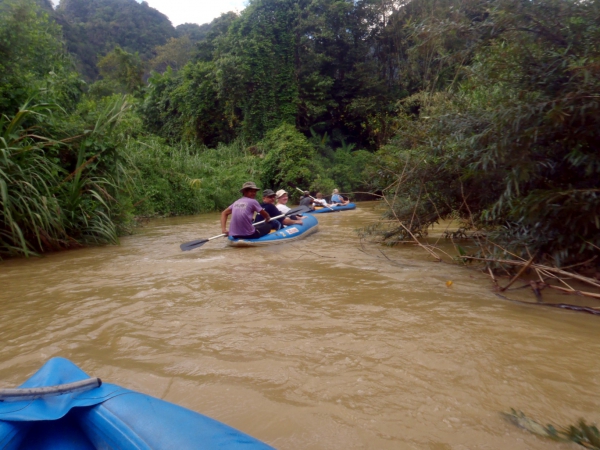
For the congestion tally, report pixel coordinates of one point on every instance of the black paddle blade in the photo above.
(193, 244)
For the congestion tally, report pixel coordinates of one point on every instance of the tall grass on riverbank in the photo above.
(60, 192)
(28, 216)
(185, 178)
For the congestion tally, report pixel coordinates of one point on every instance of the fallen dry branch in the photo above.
(493, 277)
(431, 252)
(554, 277)
(505, 250)
(543, 272)
(519, 273)
(585, 309)
(439, 250)
(541, 267)
(543, 284)
(574, 291)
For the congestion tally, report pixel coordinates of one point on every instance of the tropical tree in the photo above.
(123, 70)
(32, 57)
(514, 145)
(93, 28)
(289, 161)
(174, 54)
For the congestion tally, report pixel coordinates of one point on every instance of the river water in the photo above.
(325, 343)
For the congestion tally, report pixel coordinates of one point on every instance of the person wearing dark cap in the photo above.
(269, 206)
(307, 200)
(242, 213)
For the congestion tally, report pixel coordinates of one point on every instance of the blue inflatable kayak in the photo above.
(286, 234)
(61, 407)
(322, 209)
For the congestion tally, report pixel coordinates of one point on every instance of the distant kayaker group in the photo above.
(271, 213)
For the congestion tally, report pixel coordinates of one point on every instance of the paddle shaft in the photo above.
(303, 193)
(276, 217)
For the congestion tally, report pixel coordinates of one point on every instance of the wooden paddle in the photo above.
(186, 246)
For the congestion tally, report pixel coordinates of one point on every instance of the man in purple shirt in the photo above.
(242, 213)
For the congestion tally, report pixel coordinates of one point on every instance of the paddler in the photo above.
(242, 214)
(269, 206)
(320, 201)
(307, 200)
(338, 199)
(282, 199)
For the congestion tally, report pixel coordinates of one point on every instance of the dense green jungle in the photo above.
(482, 111)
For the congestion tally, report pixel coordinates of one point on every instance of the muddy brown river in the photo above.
(319, 344)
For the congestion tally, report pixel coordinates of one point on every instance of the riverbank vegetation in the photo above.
(583, 434)
(512, 145)
(482, 111)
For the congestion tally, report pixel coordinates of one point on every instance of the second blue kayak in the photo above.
(321, 210)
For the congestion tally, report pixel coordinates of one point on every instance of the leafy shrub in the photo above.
(61, 193)
(517, 141)
(289, 161)
(187, 179)
(33, 58)
(29, 213)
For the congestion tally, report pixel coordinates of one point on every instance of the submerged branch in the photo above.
(577, 308)
(519, 273)
(574, 292)
(581, 278)
(431, 252)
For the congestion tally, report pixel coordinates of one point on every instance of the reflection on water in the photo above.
(318, 344)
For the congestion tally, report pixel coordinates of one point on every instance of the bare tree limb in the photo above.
(519, 273)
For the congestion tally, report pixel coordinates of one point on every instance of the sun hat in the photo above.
(249, 185)
(268, 193)
(281, 193)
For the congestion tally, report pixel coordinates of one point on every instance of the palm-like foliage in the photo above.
(29, 213)
(89, 192)
(49, 203)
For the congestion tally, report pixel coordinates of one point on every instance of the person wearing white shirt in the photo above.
(320, 201)
(282, 199)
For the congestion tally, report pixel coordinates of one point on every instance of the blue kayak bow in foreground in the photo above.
(61, 407)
